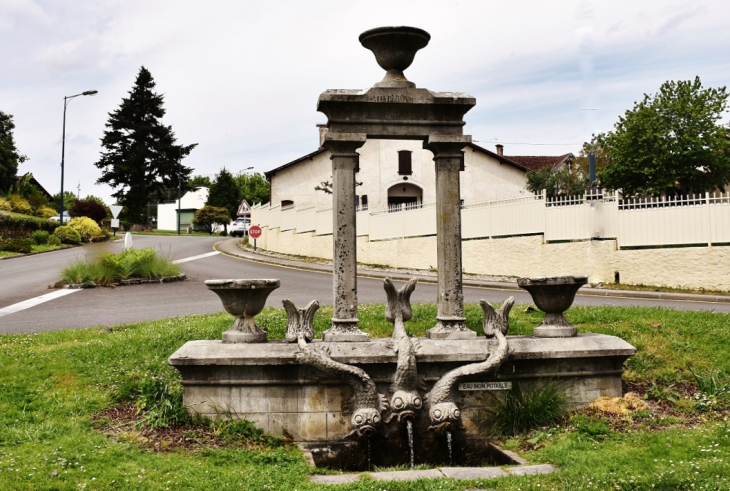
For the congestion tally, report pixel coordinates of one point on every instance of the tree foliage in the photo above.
(557, 181)
(669, 143)
(9, 156)
(255, 188)
(140, 158)
(225, 193)
(88, 208)
(210, 216)
(199, 182)
(69, 200)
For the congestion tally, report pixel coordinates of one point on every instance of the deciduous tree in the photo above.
(140, 157)
(254, 188)
(670, 143)
(210, 216)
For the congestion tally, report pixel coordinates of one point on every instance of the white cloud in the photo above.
(242, 78)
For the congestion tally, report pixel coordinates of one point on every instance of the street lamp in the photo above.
(66, 100)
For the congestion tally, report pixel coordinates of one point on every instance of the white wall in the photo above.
(483, 179)
(167, 212)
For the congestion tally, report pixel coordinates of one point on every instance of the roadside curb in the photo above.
(230, 247)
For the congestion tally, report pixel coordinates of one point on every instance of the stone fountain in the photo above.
(409, 399)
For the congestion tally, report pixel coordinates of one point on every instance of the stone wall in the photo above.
(688, 267)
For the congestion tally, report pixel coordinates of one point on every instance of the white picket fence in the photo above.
(634, 222)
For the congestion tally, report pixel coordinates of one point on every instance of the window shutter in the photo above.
(404, 163)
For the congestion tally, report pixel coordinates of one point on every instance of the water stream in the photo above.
(409, 424)
(370, 467)
(448, 442)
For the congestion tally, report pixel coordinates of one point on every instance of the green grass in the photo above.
(110, 268)
(36, 248)
(54, 385)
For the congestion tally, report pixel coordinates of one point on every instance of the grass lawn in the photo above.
(62, 394)
(36, 248)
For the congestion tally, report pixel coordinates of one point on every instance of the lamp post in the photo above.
(66, 100)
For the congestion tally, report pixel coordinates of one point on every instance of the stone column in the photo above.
(447, 157)
(344, 237)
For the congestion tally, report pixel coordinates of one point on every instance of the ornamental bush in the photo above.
(5, 205)
(54, 240)
(22, 246)
(40, 237)
(86, 227)
(45, 212)
(67, 235)
(20, 205)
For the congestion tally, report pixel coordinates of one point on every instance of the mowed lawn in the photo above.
(101, 409)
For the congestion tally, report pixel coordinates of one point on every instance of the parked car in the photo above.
(57, 218)
(239, 227)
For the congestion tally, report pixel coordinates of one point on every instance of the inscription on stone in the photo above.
(485, 386)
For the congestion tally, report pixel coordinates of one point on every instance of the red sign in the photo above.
(254, 232)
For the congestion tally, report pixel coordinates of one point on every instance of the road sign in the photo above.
(115, 209)
(244, 209)
(255, 232)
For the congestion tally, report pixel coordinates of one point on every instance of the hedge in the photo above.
(14, 227)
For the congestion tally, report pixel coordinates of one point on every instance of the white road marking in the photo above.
(193, 258)
(26, 304)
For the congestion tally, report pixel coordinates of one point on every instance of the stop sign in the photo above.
(254, 232)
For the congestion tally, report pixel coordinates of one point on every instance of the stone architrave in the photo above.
(343, 152)
(450, 320)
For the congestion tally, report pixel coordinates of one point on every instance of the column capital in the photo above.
(344, 144)
(446, 146)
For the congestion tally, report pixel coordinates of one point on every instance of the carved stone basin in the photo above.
(243, 299)
(394, 49)
(553, 295)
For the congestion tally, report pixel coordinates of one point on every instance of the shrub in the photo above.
(45, 212)
(20, 227)
(86, 227)
(5, 205)
(88, 208)
(223, 233)
(67, 235)
(132, 263)
(22, 246)
(527, 408)
(54, 240)
(40, 237)
(20, 205)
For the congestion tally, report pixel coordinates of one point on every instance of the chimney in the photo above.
(500, 150)
(322, 131)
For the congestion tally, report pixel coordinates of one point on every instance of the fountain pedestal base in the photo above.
(265, 384)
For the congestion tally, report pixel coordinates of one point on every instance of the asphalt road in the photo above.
(28, 277)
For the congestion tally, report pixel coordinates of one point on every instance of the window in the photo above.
(357, 163)
(461, 162)
(287, 202)
(364, 201)
(404, 163)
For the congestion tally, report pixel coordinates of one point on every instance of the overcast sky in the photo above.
(242, 78)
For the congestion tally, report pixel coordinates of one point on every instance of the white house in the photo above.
(190, 202)
(401, 172)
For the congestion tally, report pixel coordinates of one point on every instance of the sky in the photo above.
(242, 78)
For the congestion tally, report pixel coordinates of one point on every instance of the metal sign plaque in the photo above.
(485, 386)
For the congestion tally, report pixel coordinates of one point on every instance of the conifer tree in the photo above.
(225, 193)
(9, 156)
(140, 159)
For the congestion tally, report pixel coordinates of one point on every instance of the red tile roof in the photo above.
(537, 163)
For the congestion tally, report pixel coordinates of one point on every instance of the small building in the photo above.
(190, 202)
(396, 173)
